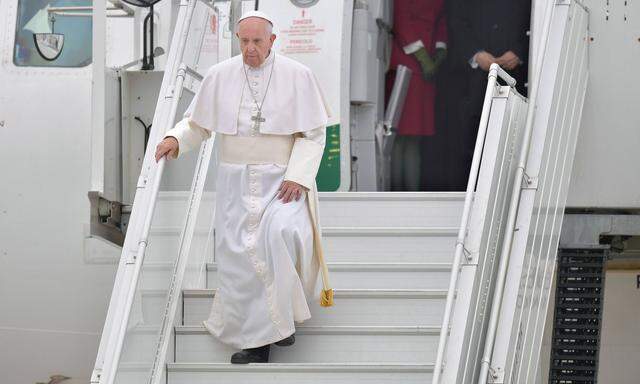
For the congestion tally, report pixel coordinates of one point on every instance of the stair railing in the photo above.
(495, 72)
(126, 286)
(521, 182)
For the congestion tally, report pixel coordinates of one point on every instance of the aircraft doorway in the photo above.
(449, 45)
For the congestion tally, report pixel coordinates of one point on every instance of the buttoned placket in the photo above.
(253, 215)
(255, 189)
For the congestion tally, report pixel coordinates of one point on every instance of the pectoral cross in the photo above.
(257, 120)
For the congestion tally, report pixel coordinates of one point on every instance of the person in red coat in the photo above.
(420, 43)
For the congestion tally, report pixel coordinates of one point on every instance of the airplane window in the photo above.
(53, 33)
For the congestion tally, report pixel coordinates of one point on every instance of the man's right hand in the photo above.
(167, 146)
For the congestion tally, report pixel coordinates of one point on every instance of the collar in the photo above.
(266, 62)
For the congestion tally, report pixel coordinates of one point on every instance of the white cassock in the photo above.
(265, 251)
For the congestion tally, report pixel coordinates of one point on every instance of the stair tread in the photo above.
(343, 266)
(349, 196)
(388, 195)
(342, 231)
(382, 267)
(292, 367)
(420, 293)
(338, 329)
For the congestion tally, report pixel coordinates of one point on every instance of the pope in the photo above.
(270, 116)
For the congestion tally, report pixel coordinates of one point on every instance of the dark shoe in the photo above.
(252, 355)
(287, 341)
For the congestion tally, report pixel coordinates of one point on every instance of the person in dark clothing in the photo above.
(481, 32)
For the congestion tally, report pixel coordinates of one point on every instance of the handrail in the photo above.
(112, 359)
(139, 258)
(505, 254)
(186, 236)
(494, 72)
(180, 265)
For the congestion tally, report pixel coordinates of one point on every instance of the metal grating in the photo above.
(578, 316)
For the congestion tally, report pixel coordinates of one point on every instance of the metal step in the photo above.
(341, 244)
(343, 275)
(374, 373)
(376, 275)
(349, 209)
(322, 344)
(577, 318)
(363, 307)
(402, 209)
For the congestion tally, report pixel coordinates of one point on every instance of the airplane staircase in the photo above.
(419, 278)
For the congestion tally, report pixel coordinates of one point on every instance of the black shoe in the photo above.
(252, 355)
(287, 341)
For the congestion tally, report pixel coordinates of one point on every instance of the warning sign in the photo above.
(303, 35)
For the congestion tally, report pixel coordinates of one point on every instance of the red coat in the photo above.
(416, 20)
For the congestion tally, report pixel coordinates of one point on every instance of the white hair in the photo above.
(268, 26)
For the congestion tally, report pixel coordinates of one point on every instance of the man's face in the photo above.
(255, 40)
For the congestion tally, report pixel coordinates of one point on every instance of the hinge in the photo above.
(468, 256)
(95, 376)
(170, 92)
(131, 257)
(529, 182)
(142, 180)
(496, 375)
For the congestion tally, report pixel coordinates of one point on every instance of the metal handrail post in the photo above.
(140, 253)
(494, 72)
(513, 207)
(144, 238)
(183, 253)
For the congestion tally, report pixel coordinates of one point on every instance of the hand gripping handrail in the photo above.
(186, 236)
(185, 243)
(107, 373)
(494, 72)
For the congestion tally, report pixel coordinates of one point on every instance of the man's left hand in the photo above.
(508, 60)
(290, 190)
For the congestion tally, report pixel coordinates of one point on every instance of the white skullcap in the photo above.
(259, 14)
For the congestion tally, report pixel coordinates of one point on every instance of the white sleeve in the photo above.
(305, 158)
(188, 134)
(473, 62)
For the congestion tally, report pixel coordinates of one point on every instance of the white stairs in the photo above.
(389, 256)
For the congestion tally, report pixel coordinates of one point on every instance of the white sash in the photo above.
(267, 149)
